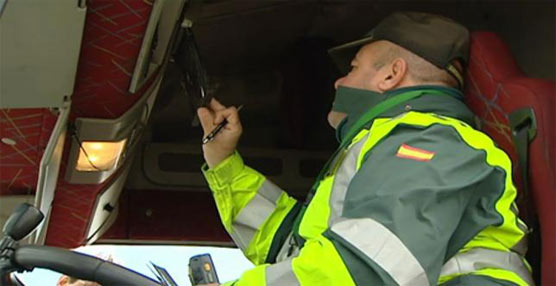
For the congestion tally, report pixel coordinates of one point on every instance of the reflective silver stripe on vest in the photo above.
(342, 178)
(514, 209)
(289, 249)
(481, 258)
(254, 214)
(281, 274)
(522, 246)
(270, 191)
(384, 248)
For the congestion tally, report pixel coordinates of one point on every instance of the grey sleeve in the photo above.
(421, 203)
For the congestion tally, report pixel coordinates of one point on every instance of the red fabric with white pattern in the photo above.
(495, 88)
(112, 38)
(30, 129)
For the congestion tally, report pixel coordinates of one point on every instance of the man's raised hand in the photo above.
(224, 143)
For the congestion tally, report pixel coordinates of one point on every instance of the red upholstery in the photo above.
(112, 38)
(30, 129)
(495, 88)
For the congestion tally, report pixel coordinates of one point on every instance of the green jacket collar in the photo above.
(451, 105)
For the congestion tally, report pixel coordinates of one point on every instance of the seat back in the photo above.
(496, 88)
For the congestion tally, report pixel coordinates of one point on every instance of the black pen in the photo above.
(217, 129)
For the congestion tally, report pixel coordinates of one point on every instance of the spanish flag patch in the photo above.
(413, 153)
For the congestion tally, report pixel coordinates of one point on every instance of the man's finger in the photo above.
(219, 117)
(233, 115)
(216, 105)
(230, 114)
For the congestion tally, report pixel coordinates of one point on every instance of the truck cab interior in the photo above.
(98, 106)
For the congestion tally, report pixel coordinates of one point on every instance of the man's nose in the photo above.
(338, 82)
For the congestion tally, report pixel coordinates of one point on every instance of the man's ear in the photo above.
(394, 74)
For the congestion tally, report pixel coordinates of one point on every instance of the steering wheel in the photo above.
(15, 257)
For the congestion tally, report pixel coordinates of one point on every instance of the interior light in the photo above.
(96, 145)
(99, 156)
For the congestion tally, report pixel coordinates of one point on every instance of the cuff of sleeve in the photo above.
(225, 172)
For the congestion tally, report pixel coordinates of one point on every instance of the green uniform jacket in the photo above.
(419, 197)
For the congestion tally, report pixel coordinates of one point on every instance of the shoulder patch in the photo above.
(407, 152)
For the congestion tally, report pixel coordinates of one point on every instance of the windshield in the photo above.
(229, 262)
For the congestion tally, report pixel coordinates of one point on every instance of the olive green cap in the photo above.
(437, 39)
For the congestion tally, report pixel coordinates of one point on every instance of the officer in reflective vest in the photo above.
(414, 195)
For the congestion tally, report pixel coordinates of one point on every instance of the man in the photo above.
(413, 196)
(71, 281)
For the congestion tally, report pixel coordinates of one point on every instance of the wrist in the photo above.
(213, 159)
